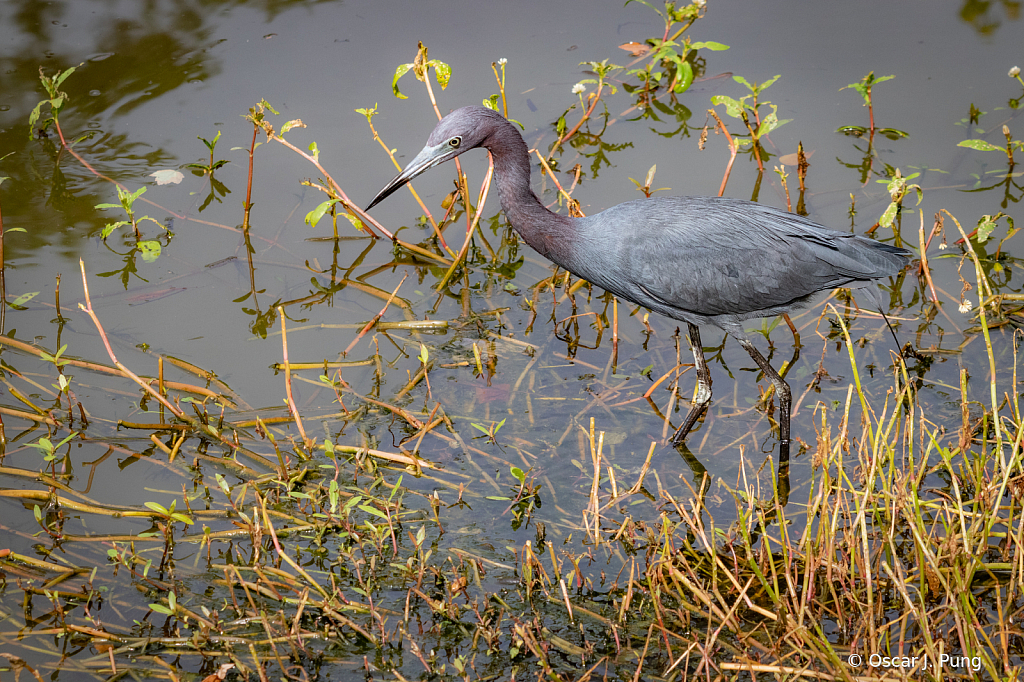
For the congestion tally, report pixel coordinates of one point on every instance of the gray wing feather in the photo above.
(702, 257)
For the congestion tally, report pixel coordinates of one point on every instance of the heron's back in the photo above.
(720, 260)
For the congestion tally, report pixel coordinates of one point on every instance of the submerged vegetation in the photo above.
(399, 518)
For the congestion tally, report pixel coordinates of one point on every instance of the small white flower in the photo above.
(1014, 72)
(943, 246)
(965, 307)
(700, 3)
(578, 88)
(502, 62)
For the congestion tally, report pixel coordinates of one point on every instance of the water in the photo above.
(157, 75)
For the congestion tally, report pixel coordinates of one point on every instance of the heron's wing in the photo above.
(712, 257)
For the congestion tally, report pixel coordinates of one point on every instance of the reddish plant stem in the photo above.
(87, 307)
(376, 317)
(152, 203)
(732, 151)
(576, 128)
(756, 140)
(336, 189)
(484, 190)
(288, 379)
(248, 186)
(925, 270)
(463, 181)
(194, 423)
(416, 196)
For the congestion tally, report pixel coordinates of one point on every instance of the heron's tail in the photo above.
(887, 260)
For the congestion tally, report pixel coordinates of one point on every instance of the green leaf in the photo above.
(210, 144)
(399, 72)
(356, 222)
(34, 116)
(708, 45)
(732, 107)
(980, 145)
(62, 77)
(985, 227)
(518, 473)
(685, 74)
(855, 131)
(314, 216)
(644, 2)
(373, 510)
(294, 123)
(135, 195)
(23, 299)
(892, 133)
(770, 123)
(889, 216)
(442, 72)
(491, 102)
(155, 222)
(859, 87)
(109, 229)
(150, 249)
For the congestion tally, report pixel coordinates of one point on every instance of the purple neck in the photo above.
(548, 233)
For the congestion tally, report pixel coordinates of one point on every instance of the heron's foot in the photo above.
(697, 409)
(679, 437)
(702, 395)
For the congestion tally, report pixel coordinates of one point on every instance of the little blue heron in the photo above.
(701, 260)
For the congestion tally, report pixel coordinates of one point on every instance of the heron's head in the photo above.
(459, 131)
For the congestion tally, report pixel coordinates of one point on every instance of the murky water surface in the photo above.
(155, 76)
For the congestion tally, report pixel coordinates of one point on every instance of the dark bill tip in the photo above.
(427, 158)
(388, 190)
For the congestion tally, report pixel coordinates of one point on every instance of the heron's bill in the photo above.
(425, 160)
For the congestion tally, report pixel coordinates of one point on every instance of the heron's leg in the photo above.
(703, 395)
(781, 389)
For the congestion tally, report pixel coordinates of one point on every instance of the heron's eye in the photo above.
(455, 142)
